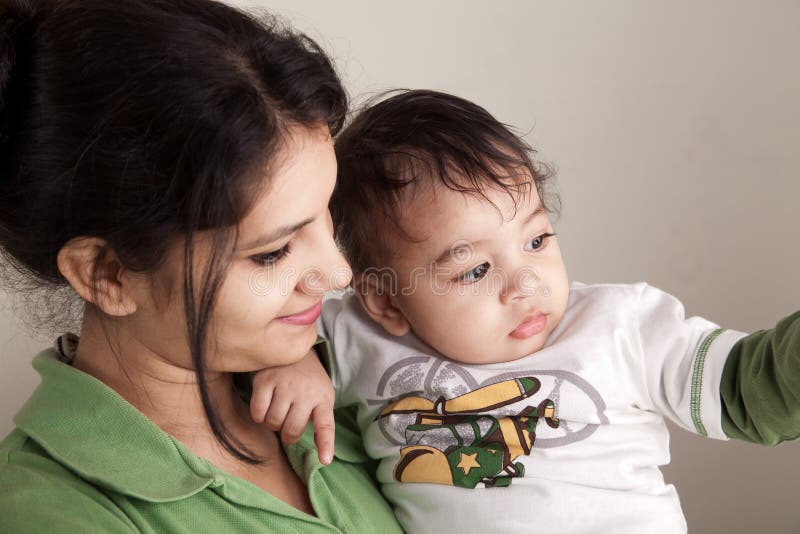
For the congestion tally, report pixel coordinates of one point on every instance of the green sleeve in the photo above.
(760, 387)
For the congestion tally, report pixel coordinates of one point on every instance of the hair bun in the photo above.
(16, 17)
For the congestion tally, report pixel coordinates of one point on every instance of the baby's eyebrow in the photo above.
(535, 213)
(447, 255)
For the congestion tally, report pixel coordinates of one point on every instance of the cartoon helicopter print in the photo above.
(455, 442)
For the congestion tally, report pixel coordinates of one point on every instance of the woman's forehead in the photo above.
(298, 189)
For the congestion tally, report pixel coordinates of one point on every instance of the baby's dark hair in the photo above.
(143, 122)
(415, 137)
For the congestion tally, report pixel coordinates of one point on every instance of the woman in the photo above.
(170, 160)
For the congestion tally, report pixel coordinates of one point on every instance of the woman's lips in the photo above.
(530, 326)
(305, 317)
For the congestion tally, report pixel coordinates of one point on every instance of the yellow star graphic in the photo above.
(467, 462)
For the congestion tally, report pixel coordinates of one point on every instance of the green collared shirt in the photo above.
(82, 459)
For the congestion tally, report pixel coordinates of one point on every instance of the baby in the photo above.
(496, 395)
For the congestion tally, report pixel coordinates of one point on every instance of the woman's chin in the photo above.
(292, 348)
(274, 352)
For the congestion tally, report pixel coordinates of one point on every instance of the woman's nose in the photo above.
(312, 281)
(332, 273)
(341, 274)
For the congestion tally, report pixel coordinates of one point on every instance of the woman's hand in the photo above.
(286, 397)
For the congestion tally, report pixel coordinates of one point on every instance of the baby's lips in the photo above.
(530, 325)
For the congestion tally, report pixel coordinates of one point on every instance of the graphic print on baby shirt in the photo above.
(457, 431)
(451, 442)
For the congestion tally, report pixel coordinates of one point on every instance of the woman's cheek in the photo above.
(245, 307)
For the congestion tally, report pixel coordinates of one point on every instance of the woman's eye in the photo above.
(538, 243)
(271, 258)
(475, 274)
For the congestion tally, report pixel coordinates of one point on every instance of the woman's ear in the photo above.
(96, 274)
(380, 304)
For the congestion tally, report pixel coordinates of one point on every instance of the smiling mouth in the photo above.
(305, 317)
(530, 326)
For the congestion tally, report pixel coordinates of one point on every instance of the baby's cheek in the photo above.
(478, 338)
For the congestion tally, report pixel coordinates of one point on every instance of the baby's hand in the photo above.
(286, 397)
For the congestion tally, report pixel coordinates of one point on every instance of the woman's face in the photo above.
(284, 261)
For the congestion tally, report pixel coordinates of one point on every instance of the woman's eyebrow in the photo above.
(276, 234)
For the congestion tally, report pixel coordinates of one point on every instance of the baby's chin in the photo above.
(502, 352)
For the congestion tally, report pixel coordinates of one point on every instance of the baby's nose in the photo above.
(523, 284)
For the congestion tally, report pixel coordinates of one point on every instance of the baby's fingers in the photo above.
(278, 412)
(324, 431)
(260, 402)
(295, 423)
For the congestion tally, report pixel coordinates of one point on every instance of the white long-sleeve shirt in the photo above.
(566, 440)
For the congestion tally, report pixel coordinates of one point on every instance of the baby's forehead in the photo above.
(439, 220)
(437, 194)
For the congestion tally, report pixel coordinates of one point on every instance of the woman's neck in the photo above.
(166, 393)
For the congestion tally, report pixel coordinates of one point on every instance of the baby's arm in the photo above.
(286, 397)
(716, 382)
(760, 386)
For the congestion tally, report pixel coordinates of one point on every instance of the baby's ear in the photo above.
(380, 304)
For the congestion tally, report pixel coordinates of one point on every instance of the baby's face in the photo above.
(487, 284)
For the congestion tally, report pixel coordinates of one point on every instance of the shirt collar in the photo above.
(92, 430)
(88, 427)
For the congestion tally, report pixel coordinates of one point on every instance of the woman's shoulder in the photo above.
(80, 455)
(37, 492)
(83, 458)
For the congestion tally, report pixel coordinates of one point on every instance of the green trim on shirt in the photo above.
(82, 459)
(760, 386)
(697, 381)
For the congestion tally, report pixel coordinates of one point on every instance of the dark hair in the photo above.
(413, 137)
(143, 121)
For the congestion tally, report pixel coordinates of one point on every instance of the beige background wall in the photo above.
(674, 126)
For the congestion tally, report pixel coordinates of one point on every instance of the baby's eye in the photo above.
(271, 258)
(538, 243)
(475, 274)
